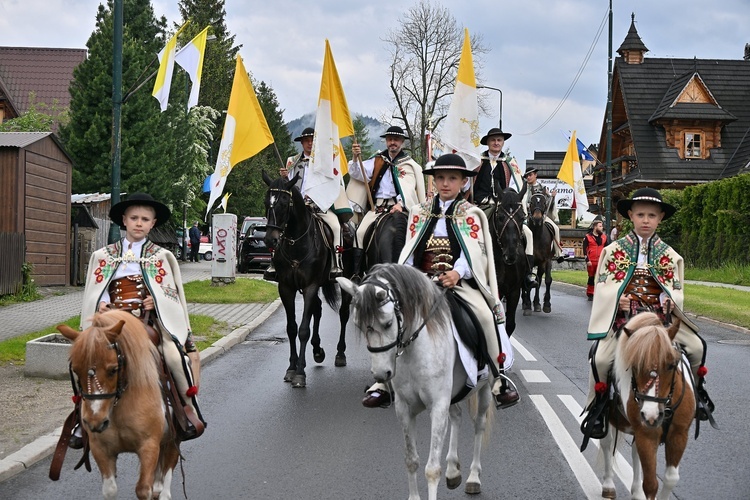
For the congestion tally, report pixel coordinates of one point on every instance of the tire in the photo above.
(178, 252)
(208, 256)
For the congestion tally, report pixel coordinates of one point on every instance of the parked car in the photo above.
(205, 250)
(253, 252)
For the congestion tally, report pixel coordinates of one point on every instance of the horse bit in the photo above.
(92, 377)
(641, 397)
(399, 343)
(282, 229)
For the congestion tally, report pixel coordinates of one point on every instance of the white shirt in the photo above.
(126, 268)
(386, 188)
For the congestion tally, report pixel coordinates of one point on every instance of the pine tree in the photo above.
(148, 152)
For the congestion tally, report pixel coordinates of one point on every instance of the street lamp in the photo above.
(500, 105)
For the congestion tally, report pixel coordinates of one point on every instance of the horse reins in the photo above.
(283, 237)
(640, 397)
(121, 385)
(399, 342)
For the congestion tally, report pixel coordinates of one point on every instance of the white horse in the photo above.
(406, 321)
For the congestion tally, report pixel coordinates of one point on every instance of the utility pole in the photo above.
(114, 228)
(608, 181)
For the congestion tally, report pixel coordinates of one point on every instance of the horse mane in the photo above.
(648, 345)
(509, 197)
(140, 353)
(408, 283)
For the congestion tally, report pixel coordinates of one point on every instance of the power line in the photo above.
(575, 80)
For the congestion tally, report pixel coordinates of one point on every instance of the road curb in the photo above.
(44, 446)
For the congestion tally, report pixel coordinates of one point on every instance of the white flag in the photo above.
(570, 173)
(190, 58)
(461, 128)
(164, 75)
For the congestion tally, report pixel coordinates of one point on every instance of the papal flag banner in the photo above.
(246, 131)
(166, 67)
(190, 58)
(332, 122)
(570, 173)
(461, 127)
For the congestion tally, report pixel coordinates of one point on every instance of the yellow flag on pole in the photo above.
(332, 122)
(190, 58)
(461, 128)
(246, 131)
(164, 74)
(570, 173)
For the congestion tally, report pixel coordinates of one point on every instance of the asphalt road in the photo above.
(266, 440)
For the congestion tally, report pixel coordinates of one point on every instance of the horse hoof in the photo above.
(299, 381)
(340, 360)
(527, 312)
(453, 482)
(537, 308)
(609, 493)
(473, 488)
(547, 309)
(289, 375)
(319, 356)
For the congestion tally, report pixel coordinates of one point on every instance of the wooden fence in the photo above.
(12, 250)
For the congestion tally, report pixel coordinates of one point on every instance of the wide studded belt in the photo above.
(644, 287)
(128, 293)
(437, 258)
(384, 204)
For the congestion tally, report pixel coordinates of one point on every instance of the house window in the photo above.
(693, 145)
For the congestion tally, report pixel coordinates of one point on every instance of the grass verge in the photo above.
(205, 329)
(243, 290)
(722, 304)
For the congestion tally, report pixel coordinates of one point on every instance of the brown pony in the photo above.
(117, 370)
(657, 405)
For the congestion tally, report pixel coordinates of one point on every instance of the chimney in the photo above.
(747, 52)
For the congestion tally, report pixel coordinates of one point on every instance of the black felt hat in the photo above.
(140, 199)
(395, 130)
(494, 131)
(646, 194)
(308, 132)
(450, 162)
(532, 170)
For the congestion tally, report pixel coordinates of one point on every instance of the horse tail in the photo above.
(473, 403)
(330, 294)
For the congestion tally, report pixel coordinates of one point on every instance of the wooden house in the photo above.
(675, 122)
(35, 183)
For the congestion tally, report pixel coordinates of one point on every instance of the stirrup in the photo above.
(507, 379)
(531, 280)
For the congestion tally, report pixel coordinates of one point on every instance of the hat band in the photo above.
(647, 198)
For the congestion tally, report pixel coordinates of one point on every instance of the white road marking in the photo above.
(522, 350)
(535, 376)
(622, 468)
(591, 486)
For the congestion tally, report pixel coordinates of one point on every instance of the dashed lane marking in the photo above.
(535, 376)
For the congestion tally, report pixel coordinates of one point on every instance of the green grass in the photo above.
(205, 329)
(243, 290)
(729, 272)
(722, 304)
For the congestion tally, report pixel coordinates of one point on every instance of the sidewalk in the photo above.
(61, 303)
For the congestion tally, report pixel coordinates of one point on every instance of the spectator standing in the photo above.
(593, 244)
(195, 242)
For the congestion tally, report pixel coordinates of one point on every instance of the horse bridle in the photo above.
(511, 216)
(282, 229)
(399, 343)
(121, 385)
(545, 203)
(640, 397)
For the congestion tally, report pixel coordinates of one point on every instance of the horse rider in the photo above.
(392, 177)
(638, 272)
(334, 217)
(448, 238)
(136, 275)
(497, 172)
(536, 187)
(593, 243)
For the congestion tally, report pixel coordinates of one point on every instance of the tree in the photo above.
(40, 117)
(425, 51)
(148, 151)
(363, 138)
(245, 181)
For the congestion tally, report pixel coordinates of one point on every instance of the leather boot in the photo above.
(270, 273)
(704, 406)
(357, 256)
(531, 276)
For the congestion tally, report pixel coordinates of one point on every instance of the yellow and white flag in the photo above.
(461, 128)
(164, 74)
(190, 58)
(570, 173)
(246, 131)
(225, 201)
(327, 166)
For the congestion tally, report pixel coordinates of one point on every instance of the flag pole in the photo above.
(278, 155)
(364, 176)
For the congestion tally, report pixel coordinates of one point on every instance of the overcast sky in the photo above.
(536, 49)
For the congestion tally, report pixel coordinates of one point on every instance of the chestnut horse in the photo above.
(116, 367)
(656, 391)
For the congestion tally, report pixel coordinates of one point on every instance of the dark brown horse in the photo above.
(301, 258)
(543, 255)
(506, 227)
